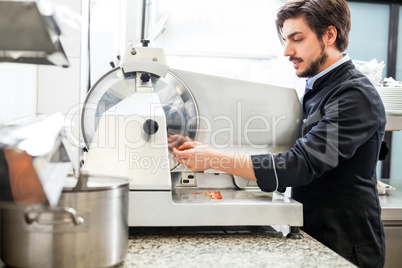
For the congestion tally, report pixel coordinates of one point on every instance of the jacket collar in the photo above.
(310, 81)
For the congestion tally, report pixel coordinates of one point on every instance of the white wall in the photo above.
(17, 91)
(62, 89)
(235, 39)
(114, 24)
(27, 90)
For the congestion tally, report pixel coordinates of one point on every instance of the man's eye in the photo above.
(296, 40)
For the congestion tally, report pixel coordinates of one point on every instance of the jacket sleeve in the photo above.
(334, 133)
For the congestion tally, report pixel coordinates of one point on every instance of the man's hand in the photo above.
(175, 141)
(200, 157)
(195, 155)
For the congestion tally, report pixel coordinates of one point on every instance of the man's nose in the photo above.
(288, 51)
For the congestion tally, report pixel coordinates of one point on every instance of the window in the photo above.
(231, 38)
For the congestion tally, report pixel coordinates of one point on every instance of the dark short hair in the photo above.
(319, 15)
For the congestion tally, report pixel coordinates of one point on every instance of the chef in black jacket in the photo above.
(332, 167)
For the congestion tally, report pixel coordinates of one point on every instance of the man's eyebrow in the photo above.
(291, 35)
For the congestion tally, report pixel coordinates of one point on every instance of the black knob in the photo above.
(112, 64)
(144, 42)
(150, 127)
(145, 77)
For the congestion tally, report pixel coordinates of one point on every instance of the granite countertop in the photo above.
(239, 246)
(225, 247)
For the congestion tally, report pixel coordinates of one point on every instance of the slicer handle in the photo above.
(150, 126)
(145, 42)
(145, 77)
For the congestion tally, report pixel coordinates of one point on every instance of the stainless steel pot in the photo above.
(89, 228)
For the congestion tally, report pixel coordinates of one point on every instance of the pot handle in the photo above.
(75, 218)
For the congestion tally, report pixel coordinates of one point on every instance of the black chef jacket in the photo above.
(332, 167)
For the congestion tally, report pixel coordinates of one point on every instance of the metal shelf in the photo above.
(394, 123)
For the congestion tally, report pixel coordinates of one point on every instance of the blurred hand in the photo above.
(200, 157)
(175, 141)
(25, 185)
(196, 156)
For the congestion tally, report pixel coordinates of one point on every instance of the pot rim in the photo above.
(91, 183)
(95, 189)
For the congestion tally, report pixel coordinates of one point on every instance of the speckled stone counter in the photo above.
(232, 247)
(225, 247)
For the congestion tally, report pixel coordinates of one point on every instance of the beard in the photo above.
(315, 65)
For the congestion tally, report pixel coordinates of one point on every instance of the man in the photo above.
(332, 167)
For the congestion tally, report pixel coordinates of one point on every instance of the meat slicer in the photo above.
(131, 111)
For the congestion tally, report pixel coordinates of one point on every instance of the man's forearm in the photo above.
(241, 166)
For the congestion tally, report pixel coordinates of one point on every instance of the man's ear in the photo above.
(330, 36)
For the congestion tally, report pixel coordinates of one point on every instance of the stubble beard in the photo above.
(314, 67)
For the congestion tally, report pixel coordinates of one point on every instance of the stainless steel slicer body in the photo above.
(132, 110)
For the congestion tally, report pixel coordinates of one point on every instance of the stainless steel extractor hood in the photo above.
(26, 36)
